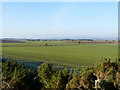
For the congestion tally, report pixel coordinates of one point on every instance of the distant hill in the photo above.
(11, 41)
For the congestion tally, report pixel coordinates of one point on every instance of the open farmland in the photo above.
(63, 52)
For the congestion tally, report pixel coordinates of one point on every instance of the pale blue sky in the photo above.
(60, 20)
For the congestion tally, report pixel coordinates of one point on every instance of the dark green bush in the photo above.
(52, 78)
(16, 77)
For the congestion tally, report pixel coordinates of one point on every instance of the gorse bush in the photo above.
(53, 78)
(105, 75)
(12, 74)
(16, 77)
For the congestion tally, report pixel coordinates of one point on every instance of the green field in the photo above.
(63, 52)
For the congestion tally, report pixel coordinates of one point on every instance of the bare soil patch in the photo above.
(11, 41)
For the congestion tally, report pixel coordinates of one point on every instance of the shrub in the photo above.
(52, 78)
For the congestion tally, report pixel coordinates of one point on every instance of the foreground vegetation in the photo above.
(105, 75)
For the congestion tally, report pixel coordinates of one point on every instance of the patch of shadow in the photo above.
(28, 64)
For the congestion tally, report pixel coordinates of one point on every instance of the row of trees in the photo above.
(102, 76)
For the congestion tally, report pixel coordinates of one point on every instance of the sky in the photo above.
(58, 20)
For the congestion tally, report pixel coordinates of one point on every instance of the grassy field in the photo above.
(63, 52)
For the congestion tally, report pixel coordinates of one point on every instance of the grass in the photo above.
(65, 53)
(37, 43)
